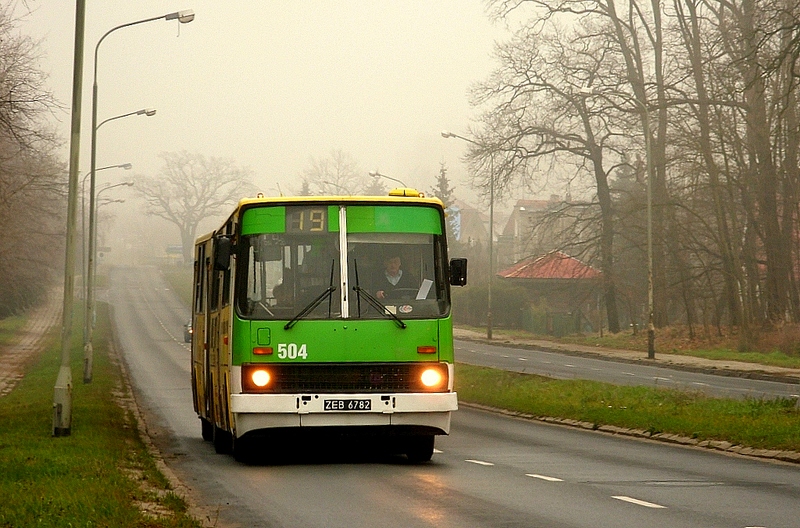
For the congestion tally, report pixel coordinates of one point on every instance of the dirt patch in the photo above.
(15, 356)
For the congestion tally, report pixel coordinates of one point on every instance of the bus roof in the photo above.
(412, 197)
(396, 196)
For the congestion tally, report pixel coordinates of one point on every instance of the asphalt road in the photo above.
(562, 366)
(491, 471)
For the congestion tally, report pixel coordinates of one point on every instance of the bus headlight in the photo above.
(260, 378)
(431, 377)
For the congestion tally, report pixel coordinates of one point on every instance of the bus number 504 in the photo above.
(292, 351)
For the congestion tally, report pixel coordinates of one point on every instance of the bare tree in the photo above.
(191, 188)
(542, 123)
(32, 181)
(24, 100)
(336, 174)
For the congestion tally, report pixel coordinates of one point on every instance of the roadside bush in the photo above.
(509, 305)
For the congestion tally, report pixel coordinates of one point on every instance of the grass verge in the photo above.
(762, 424)
(179, 279)
(100, 475)
(10, 326)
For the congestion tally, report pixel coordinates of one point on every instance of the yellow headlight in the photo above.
(431, 377)
(260, 378)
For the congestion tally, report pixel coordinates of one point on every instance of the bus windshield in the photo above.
(288, 271)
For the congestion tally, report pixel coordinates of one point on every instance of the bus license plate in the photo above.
(348, 405)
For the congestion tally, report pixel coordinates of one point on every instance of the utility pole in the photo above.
(62, 394)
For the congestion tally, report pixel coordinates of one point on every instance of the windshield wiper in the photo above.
(327, 294)
(372, 301)
(375, 303)
(310, 308)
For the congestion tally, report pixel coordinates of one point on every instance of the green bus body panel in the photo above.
(271, 219)
(393, 219)
(344, 340)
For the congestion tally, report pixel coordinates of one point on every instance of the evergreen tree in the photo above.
(446, 194)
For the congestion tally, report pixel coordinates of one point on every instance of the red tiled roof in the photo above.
(554, 265)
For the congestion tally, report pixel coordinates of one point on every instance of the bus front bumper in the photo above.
(430, 411)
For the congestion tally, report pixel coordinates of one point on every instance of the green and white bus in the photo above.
(291, 331)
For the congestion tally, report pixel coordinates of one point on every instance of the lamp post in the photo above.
(91, 278)
(124, 166)
(642, 108)
(446, 134)
(376, 174)
(89, 281)
(62, 390)
(183, 17)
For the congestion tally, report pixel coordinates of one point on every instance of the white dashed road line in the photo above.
(543, 477)
(637, 501)
(479, 462)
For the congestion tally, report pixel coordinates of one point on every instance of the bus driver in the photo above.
(393, 278)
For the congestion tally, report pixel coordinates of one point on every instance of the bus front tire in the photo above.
(223, 441)
(420, 448)
(243, 450)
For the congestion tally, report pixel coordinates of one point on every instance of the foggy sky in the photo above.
(270, 84)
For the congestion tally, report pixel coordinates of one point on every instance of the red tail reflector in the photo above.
(426, 350)
(262, 351)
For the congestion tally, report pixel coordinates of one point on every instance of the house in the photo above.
(533, 228)
(564, 293)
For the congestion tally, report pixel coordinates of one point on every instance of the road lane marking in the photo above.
(543, 477)
(479, 462)
(523, 359)
(437, 451)
(637, 501)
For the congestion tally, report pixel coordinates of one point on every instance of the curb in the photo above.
(206, 517)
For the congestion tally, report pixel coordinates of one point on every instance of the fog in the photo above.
(272, 84)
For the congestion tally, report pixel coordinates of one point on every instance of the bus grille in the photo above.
(363, 378)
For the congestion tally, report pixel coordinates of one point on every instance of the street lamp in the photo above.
(183, 17)
(88, 323)
(376, 174)
(642, 107)
(93, 264)
(148, 112)
(446, 134)
(124, 166)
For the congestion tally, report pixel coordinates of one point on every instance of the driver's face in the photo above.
(392, 265)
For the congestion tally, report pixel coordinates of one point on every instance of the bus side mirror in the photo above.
(458, 272)
(222, 253)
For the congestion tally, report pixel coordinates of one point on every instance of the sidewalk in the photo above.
(675, 361)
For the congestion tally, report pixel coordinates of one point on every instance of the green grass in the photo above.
(765, 424)
(97, 476)
(179, 279)
(10, 326)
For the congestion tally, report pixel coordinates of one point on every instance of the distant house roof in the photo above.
(554, 265)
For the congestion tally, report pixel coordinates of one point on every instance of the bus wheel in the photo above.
(207, 430)
(223, 441)
(420, 448)
(243, 450)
